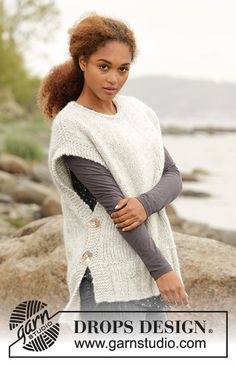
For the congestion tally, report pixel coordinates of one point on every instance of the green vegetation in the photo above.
(25, 139)
(23, 131)
(23, 147)
(18, 223)
(27, 21)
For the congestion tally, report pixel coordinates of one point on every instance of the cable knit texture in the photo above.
(129, 144)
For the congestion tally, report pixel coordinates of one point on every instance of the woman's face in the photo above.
(108, 67)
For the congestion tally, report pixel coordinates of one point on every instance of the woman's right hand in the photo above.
(172, 289)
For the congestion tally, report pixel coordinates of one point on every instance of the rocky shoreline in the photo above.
(32, 257)
(27, 193)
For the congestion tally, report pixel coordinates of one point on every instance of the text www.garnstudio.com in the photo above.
(163, 342)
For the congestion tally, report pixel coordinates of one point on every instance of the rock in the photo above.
(173, 216)
(193, 176)
(25, 212)
(33, 227)
(33, 266)
(16, 214)
(195, 194)
(51, 205)
(8, 182)
(6, 229)
(189, 177)
(172, 129)
(30, 192)
(13, 164)
(170, 210)
(40, 173)
(200, 171)
(5, 198)
(194, 228)
(209, 273)
(226, 236)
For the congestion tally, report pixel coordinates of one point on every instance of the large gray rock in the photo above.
(51, 205)
(33, 266)
(8, 182)
(30, 192)
(209, 272)
(13, 164)
(40, 173)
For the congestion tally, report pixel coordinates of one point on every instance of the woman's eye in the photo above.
(124, 68)
(102, 66)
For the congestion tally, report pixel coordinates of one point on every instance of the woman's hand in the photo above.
(172, 289)
(130, 215)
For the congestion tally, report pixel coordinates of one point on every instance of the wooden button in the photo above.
(87, 255)
(94, 222)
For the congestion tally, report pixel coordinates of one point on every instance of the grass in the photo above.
(25, 138)
(16, 222)
(23, 147)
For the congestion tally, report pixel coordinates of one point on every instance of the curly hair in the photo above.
(65, 81)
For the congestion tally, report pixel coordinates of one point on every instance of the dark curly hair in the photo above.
(64, 82)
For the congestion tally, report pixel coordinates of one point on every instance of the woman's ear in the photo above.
(82, 63)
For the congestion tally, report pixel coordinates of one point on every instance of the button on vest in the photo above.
(86, 257)
(94, 222)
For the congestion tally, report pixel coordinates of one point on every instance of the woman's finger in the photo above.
(124, 223)
(130, 227)
(177, 296)
(168, 297)
(121, 218)
(165, 298)
(184, 297)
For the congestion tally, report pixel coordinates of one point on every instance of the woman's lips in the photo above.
(109, 90)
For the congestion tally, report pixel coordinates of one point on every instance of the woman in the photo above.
(108, 162)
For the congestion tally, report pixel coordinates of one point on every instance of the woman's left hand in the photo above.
(130, 214)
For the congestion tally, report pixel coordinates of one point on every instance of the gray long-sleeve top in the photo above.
(94, 182)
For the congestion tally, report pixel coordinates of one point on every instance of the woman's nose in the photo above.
(113, 79)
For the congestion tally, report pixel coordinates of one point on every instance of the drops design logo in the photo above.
(34, 326)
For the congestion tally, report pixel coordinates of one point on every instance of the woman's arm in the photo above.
(166, 190)
(101, 184)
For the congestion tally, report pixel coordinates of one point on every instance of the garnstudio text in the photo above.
(34, 325)
(144, 326)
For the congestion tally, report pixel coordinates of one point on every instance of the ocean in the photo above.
(217, 154)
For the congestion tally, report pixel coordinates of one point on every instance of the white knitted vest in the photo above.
(129, 144)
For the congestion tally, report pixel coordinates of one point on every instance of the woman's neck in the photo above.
(111, 109)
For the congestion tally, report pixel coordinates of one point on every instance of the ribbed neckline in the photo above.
(115, 100)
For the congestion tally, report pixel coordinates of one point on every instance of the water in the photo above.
(217, 154)
(199, 121)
